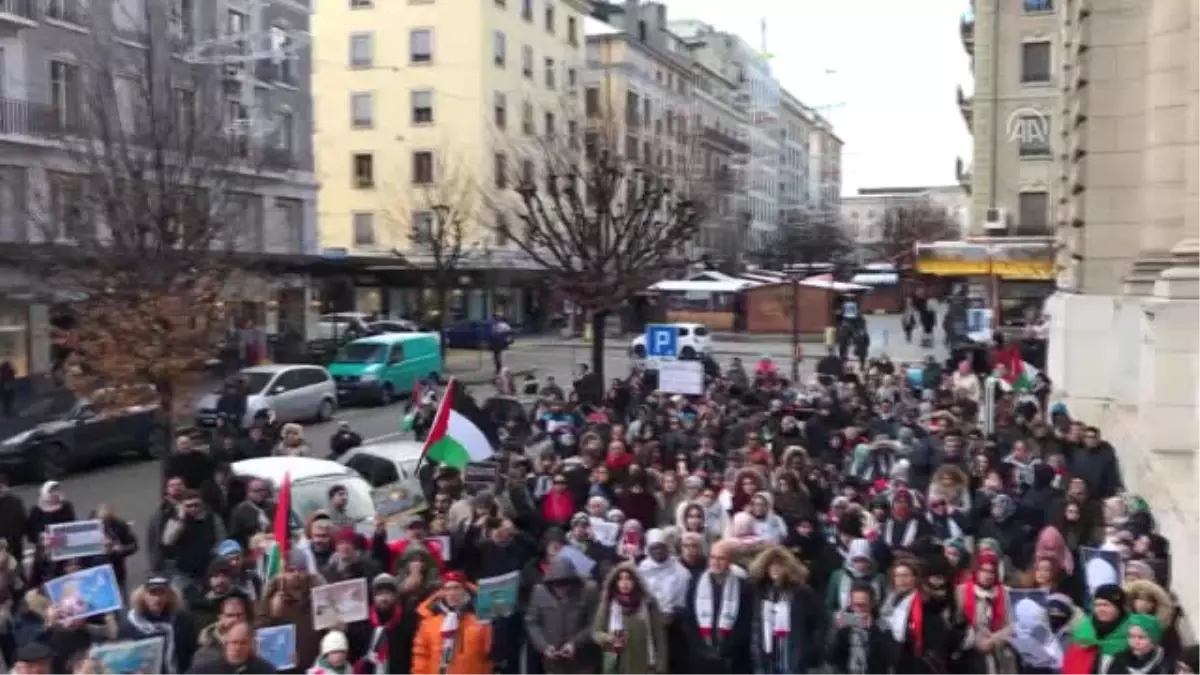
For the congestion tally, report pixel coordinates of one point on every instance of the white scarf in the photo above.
(616, 625)
(910, 532)
(897, 618)
(956, 532)
(730, 598)
(449, 633)
(776, 621)
(165, 629)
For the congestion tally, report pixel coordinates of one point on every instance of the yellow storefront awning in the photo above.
(1025, 270)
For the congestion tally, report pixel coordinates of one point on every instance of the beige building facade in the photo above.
(1124, 334)
(862, 214)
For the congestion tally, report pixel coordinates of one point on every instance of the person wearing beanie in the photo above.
(335, 656)
(1144, 655)
(242, 577)
(348, 561)
(393, 622)
(1099, 636)
(450, 639)
(156, 610)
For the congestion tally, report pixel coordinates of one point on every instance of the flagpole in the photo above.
(445, 400)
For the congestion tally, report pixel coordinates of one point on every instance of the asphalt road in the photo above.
(131, 488)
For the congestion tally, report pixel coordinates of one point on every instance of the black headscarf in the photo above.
(1115, 595)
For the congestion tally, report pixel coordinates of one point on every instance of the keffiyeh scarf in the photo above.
(730, 600)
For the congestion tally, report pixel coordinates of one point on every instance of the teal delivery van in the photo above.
(378, 368)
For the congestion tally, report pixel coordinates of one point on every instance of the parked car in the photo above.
(472, 334)
(693, 339)
(379, 368)
(291, 393)
(384, 464)
(59, 430)
(392, 326)
(342, 326)
(311, 480)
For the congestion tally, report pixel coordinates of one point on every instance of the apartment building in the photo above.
(794, 128)
(53, 56)
(416, 101)
(863, 214)
(1013, 115)
(825, 167)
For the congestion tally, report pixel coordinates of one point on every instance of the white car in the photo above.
(311, 480)
(692, 340)
(384, 464)
(337, 325)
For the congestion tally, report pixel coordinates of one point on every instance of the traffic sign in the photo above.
(662, 341)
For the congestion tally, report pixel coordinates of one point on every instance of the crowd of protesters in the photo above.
(861, 521)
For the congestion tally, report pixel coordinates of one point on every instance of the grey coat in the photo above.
(563, 615)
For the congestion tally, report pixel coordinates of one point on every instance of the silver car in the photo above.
(291, 393)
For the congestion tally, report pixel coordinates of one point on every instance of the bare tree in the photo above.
(435, 217)
(139, 218)
(906, 225)
(601, 217)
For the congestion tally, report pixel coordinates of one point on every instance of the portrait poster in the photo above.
(497, 596)
(85, 593)
(277, 646)
(76, 539)
(1100, 567)
(342, 603)
(129, 657)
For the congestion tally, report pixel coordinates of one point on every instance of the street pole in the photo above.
(795, 328)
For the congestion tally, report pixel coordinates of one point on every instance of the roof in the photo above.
(876, 278)
(704, 286)
(273, 469)
(394, 451)
(593, 26)
(393, 338)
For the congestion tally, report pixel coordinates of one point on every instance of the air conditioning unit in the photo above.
(995, 219)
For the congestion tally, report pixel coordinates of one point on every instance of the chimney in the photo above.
(632, 14)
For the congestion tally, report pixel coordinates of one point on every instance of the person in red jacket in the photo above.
(393, 551)
(558, 505)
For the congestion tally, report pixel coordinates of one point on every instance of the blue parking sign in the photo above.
(661, 341)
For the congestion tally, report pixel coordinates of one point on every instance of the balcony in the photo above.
(724, 141)
(284, 159)
(963, 172)
(35, 120)
(966, 28)
(965, 105)
(16, 15)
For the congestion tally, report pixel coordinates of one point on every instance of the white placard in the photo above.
(681, 377)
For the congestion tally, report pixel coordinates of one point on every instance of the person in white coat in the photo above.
(665, 577)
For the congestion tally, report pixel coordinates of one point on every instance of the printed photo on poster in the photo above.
(604, 532)
(497, 596)
(342, 603)
(85, 593)
(583, 565)
(1100, 567)
(1031, 636)
(131, 657)
(77, 539)
(277, 646)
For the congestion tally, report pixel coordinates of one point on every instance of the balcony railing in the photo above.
(724, 140)
(22, 9)
(966, 27)
(965, 104)
(25, 118)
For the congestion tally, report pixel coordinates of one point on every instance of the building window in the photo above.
(364, 228)
(527, 61)
(499, 49)
(501, 229)
(527, 10)
(572, 134)
(72, 11)
(422, 226)
(500, 169)
(1039, 6)
(422, 106)
(527, 119)
(572, 31)
(501, 3)
(362, 106)
(285, 130)
(1033, 135)
(550, 124)
(422, 167)
(572, 78)
(591, 102)
(364, 170)
(550, 18)
(1035, 62)
(362, 53)
(500, 111)
(1033, 213)
(528, 175)
(420, 46)
(64, 91)
(550, 73)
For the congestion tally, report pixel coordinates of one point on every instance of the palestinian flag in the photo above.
(461, 433)
(273, 564)
(1019, 374)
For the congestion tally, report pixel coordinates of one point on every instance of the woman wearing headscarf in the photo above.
(810, 547)
(1099, 636)
(768, 526)
(52, 508)
(1146, 597)
(694, 519)
(1038, 650)
(859, 567)
(1007, 530)
(791, 498)
(628, 625)
(984, 608)
(1144, 654)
